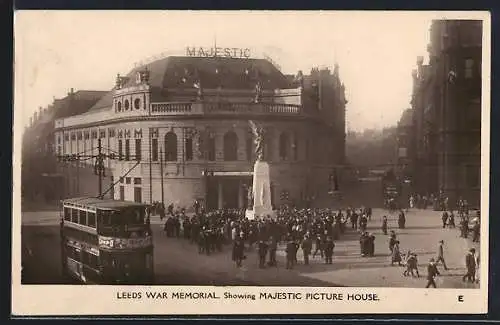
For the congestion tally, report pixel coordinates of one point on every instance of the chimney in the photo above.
(31, 121)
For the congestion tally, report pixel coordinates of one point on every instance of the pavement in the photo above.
(178, 262)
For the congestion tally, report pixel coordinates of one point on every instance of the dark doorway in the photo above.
(212, 194)
(230, 192)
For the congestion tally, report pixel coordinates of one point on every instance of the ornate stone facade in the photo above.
(157, 130)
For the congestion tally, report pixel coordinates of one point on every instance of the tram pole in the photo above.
(99, 166)
(161, 178)
(150, 169)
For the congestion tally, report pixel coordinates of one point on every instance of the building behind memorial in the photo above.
(177, 130)
(446, 106)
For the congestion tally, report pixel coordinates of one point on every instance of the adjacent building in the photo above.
(40, 178)
(446, 105)
(177, 130)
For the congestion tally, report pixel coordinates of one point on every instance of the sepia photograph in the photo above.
(251, 149)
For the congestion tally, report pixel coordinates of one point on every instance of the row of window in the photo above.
(81, 217)
(101, 134)
(82, 256)
(287, 150)
(126, 105)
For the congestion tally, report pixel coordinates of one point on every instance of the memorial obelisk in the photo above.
(261, 189)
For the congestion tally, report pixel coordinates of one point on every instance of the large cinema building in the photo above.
(177, 130)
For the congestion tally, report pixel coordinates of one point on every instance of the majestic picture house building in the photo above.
(177, 130)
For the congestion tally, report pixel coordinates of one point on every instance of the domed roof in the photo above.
(212, 72)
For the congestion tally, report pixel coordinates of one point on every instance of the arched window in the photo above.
(284, 146)
(171, 146)
(230, 146)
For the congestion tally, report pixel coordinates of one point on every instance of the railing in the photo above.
(223, 108)
(170, 108)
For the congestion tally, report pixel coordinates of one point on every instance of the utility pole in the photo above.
(161, 178)
(99, 166)
(150, 169)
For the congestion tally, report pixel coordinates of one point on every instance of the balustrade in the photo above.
(224, 108)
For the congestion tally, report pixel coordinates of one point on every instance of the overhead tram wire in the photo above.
(124, 175)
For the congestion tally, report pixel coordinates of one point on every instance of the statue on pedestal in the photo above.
(250, 197)
(258, 133)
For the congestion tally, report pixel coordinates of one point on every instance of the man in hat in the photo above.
(329, 246)
(262, 249)
(440, 257)
(432, 272)
(290, 253)
(475, 231)
(273, 246)
(444, 218)
(306, 248)
(470, 263)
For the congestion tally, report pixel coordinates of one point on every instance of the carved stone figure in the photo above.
(258, 133)
(250, 197)
(198, 142)
(258, 92)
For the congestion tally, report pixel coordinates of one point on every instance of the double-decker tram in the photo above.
(106, 241)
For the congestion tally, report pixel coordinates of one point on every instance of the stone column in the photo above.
(220, 198)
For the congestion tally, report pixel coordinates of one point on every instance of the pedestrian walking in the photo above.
(329, 246)
(411, 265)
(432, 273)
(392, 241)
(440, 257)
(451, 220)
(470, 264)
(318, 246)
(290, 253)
(262, 250)
(384, 225)
(238, 251)
(444, 218)
(396, 254)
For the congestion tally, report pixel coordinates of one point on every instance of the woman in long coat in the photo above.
(396, 254)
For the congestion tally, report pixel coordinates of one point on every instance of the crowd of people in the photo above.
(314, 231)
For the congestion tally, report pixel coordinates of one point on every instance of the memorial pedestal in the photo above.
(262, 206)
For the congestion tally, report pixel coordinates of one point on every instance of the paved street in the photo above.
(178, 262)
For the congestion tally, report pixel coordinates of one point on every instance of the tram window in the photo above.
(67, 214)
(83, 217)
(106, 218)
(136, 217)
(74, 215)
(85, 257)
(91, 219)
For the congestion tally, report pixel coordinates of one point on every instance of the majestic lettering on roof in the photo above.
(222, 52)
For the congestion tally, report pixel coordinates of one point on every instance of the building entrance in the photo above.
(228, 192)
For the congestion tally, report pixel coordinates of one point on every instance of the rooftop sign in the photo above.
(222, 52)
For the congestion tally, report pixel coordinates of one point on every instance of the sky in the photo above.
(84, 50)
